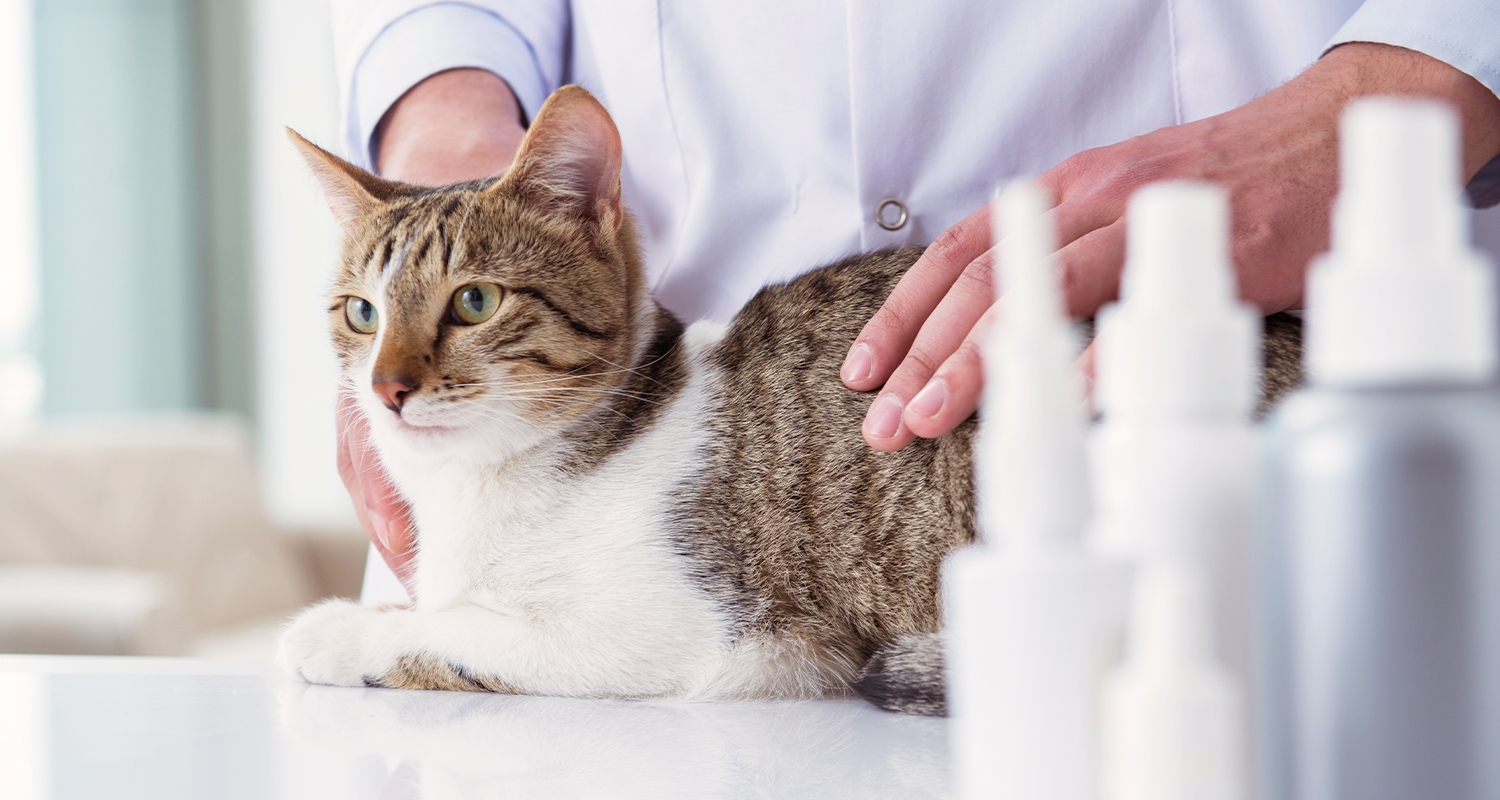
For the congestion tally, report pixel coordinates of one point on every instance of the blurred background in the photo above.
(167, 483)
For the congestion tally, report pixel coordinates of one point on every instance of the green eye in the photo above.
(361, 315)
(476, 302)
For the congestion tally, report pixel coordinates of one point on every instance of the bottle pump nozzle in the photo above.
(1033, 403)
(1179, 343)
(1401, 297)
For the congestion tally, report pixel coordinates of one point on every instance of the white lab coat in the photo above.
(759, 137)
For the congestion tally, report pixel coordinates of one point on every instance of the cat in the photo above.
(610, 504)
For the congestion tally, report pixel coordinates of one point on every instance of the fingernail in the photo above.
(884, 418)
(382, 529)
(858, 365)
(929, 401)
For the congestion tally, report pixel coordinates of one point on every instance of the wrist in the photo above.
(1359, 69)
(458, 125)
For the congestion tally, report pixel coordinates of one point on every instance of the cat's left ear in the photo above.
(351, 192)
(570, 159)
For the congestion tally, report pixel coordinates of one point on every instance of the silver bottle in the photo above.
(1381, 553)
(1389, 506)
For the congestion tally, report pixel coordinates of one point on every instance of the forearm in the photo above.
(458, 125)
(1360, 68)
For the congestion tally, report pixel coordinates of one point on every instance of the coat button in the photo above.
(891, 214)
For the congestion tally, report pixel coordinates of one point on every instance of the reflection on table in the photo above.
(106, 728)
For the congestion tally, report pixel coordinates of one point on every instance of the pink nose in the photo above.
(393, 391)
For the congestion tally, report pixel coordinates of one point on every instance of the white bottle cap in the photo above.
(1179, 343)
(1401, 297)
(1032, 470)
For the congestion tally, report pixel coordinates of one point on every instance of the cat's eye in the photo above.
(361, 315)
(474, 303)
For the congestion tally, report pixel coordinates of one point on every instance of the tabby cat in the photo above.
(610, 504)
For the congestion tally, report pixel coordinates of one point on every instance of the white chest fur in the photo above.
(587, 556)
(557, 583)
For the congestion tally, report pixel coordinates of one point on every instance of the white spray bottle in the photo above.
(1024, 608)
(1176, 363)
(1174, 469)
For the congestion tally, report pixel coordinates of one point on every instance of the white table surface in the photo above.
(104, 728)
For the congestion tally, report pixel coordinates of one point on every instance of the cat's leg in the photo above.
(469, 648)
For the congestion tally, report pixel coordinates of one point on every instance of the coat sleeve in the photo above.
(1462, 33)
(382, 48)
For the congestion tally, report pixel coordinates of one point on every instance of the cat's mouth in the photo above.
(419, 429)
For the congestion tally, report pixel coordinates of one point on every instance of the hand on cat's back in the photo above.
(1276, 156)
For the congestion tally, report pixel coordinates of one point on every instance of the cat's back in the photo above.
(781, 355)
(828, 305)
(798, 521)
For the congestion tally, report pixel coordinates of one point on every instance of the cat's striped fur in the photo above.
(609, 504)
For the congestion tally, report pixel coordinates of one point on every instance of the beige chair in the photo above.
(141, 536)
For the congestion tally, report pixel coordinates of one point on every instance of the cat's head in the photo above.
(484, 317)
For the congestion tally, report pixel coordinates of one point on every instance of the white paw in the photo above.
(334, 643)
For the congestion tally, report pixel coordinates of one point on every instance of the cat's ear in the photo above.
(570, 159)
(351, 192)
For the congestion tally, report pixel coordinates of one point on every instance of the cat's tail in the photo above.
(906, 676)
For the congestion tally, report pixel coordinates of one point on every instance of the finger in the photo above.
(945, 328)
(953, 393)
(883, 342)
(1077, 219)
(349, 426)
(390, 523)
(885, 427)
(350, 435)
(1089, 270)
(1082, 205)
(1084, 366)
(401, 557)
(381, 511)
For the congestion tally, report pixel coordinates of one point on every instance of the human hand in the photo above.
(1276, 156)
(380, 510)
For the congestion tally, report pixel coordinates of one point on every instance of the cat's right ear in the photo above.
(351, 192)
(570, 159)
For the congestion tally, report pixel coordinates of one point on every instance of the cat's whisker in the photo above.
(632, 370)
(583, 389)
(493, 413)
(511, 388)
(575, 374)
(560, 400)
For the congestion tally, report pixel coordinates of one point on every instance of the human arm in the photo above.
(454, 126)
(1276, 156)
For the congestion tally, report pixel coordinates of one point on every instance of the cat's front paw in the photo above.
(333, 643)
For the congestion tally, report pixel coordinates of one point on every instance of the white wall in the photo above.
(20, 374)
(293, 85)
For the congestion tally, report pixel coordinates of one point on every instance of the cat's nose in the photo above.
(394, 391)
